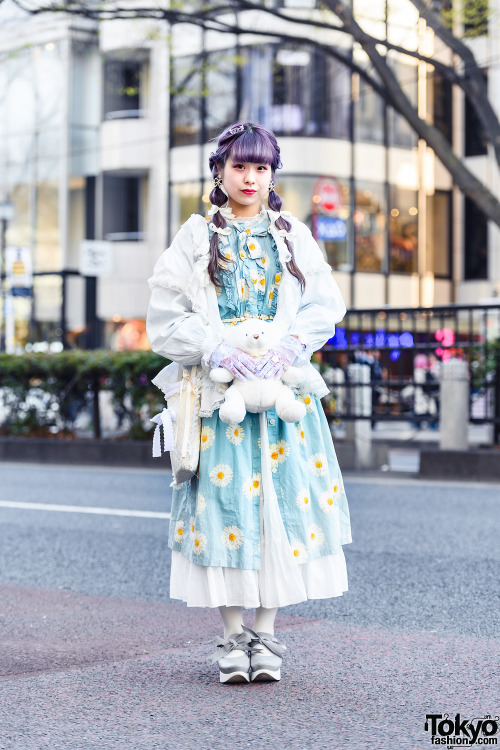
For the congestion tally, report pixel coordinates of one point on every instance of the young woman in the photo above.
(263, 523)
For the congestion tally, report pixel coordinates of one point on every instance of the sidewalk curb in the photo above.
(136, 453)
(476, 465)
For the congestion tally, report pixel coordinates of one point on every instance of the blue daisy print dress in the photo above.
(264, 521)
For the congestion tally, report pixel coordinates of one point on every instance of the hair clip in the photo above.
(238, 129)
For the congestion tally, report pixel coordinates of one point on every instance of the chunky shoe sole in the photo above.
(266, 675)
(232, 677)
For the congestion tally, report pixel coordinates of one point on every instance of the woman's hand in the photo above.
(239, 363)
(279, 359)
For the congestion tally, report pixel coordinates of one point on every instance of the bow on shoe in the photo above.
(225, 646)
(266, 639)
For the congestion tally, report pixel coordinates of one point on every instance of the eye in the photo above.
(264, 167)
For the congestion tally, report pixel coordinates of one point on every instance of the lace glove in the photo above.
(279, 359)
(239, 363)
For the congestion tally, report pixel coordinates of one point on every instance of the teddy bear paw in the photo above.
(221, 375)
(291, 412)
(231, 414)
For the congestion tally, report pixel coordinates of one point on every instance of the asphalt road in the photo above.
(94, 654)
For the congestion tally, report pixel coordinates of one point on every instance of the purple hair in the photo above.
(246, 142)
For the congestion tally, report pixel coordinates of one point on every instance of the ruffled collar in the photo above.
(248, 221)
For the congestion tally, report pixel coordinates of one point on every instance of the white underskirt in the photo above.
(206, 586)
(279, 582)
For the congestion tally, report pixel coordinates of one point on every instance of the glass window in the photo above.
(185, 200)
(403, 230)
(186, 91)
(400, 132)
(368, 112)
(220, 87)
(475, 242)
(124, 88)
(123, 210)
(370, 226)
(442, 103)
(257, 85)
(323, 204)
(476, 143)
(439, 233)
(295, 91)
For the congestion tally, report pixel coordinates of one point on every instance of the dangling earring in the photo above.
(271, 186)
(218, 181)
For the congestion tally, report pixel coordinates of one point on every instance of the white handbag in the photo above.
(180, 421)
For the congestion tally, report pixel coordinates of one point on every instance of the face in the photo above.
(247, 185)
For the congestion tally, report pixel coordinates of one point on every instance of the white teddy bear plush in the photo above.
(257, 337)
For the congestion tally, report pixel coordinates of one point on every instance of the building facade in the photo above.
(106, 134)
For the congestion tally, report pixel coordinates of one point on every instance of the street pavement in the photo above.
(94, 654)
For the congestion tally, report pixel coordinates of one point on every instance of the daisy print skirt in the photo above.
(215, 517)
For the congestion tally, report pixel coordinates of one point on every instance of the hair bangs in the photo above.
(255, 146)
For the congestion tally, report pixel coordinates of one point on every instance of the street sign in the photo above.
(19, 271)
(329, 195)
(96, 258)
(330, 228)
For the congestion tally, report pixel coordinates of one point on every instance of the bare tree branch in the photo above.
(470, 78)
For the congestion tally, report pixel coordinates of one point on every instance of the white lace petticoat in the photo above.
(279, 582)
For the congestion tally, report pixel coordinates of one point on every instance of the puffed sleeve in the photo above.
(175, 328)
(175, 331)
(321, 305)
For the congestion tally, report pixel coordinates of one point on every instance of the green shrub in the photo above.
(42, 394)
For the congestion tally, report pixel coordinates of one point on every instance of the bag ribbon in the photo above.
(163, 419)
(187, 387)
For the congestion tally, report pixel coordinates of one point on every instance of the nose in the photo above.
(250, 178)
(256, 335)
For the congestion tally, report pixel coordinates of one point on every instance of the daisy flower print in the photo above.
(307, 400)
(283, 450)
(192, 522)
(235, 434)
(300, 434)
(199, 542)
(327, 501)
(303, 500)
(242, 290)
(221, 475)
(207, 438)
(179, 532)
(299, 552)
(315, 535)
(232, 537)
(263, 262)
(275, 457)
(336, 488)
(251, 488)
(318, 465)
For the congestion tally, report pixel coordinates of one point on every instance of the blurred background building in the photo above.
(105, 132)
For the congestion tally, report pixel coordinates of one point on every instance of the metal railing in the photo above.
(404, 349)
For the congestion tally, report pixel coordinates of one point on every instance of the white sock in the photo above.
(233, 620)
(264, 623)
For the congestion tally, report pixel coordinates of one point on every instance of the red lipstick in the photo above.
(249, 192)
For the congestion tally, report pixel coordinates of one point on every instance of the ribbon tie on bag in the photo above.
(187, 407)
(163, 419)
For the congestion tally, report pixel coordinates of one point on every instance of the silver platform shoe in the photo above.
(236, 668)
(264, 666)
